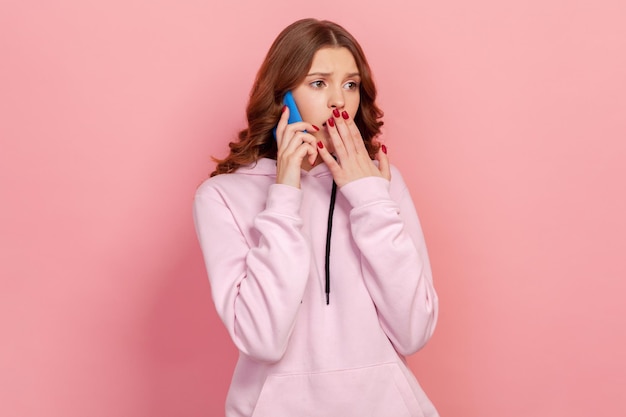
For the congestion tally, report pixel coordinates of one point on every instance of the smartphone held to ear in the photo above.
(294, 113)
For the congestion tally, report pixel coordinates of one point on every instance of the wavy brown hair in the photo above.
(284, 68)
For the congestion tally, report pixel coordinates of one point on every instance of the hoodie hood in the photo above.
(267, 167)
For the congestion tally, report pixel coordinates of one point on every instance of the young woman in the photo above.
(313, 248)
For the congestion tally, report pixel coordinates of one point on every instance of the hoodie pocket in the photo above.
(375, 391)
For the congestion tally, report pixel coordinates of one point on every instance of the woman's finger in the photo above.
(282, 124)
(383, 162)
(298, 129)
(328, 159)
(355, 134)
(335, 138)
(342, 121)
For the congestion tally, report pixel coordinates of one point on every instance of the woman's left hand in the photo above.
(353, 161)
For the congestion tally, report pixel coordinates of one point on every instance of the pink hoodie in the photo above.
(264, 247)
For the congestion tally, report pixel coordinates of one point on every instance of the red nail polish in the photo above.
(320, 145)
(316, 128)
(384, 148)
(344, 114)
(284, 108)
(336, 112)
(331, 122)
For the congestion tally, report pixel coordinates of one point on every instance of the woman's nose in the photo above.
(335, 100)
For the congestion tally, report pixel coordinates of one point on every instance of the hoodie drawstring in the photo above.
(329, 230)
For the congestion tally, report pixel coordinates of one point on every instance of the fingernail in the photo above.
(336, 112)
(320, 145)
(384, 148)
(284, 108)
(331, 122)
(316, 128)
(344, 114)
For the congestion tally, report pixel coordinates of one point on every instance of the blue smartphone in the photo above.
(294, 113)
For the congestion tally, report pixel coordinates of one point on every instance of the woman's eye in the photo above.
(317, 84)
(351, 85)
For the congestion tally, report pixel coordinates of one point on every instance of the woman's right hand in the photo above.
(294, 144)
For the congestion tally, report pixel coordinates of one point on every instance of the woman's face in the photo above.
(332, 82)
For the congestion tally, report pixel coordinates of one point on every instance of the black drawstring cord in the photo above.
(329, 229)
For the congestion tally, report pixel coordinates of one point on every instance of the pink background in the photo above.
(508, 120)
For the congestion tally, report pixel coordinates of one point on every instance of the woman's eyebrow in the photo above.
(328, 74)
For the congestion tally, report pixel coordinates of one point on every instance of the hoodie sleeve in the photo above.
(395, 263)
(256, 290)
